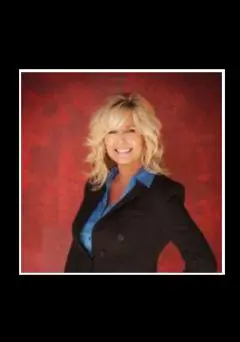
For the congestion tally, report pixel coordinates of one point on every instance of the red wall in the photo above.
(54, 118)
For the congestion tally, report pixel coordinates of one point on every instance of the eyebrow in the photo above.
(129, 127)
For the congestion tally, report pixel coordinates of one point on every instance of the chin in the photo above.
(123, 163)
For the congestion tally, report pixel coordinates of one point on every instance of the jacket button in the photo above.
(120, 237)
(102, 253)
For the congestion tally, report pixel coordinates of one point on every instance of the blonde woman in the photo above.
(131, 207)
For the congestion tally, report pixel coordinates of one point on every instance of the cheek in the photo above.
(138, 143)
(109, 142)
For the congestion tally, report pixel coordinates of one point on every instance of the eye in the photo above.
(131, 130)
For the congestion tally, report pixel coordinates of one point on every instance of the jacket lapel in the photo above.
(91, 201)
(136, 191)
(87, 207)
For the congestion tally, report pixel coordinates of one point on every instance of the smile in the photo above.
(123, 151)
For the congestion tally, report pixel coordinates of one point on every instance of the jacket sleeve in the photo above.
(181, 229)
(78, 216)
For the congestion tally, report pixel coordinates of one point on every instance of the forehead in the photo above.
(120, 118)
(128, 119)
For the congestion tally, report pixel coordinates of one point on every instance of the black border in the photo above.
(131, 284)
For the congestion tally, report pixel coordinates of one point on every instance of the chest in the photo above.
(115, 193)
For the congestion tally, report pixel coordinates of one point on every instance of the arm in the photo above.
(77, 222)
(180, 228)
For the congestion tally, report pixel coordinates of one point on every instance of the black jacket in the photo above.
(131, 235)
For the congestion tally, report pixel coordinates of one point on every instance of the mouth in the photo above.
(123, 151)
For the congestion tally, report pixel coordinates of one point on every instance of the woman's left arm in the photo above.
(186, 235)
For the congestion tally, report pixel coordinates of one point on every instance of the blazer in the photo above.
(130, 237)
(104, 206)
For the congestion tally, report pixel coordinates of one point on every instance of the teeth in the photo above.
(124, 151)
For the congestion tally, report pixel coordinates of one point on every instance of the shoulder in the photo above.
(89, 188)
(166, 188)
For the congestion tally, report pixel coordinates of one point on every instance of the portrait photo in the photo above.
(121, 171)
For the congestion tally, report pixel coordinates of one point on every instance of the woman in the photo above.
(131, 208)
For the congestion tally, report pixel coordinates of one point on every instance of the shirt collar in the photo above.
(142, 175)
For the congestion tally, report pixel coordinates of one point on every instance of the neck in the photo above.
(125, 172)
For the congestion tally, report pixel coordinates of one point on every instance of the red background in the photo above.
(55, 113)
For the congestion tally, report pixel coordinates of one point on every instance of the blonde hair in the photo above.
(110, 116)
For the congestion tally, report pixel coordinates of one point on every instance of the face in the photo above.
(125, 145)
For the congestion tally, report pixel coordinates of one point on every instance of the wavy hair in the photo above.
(110, 116)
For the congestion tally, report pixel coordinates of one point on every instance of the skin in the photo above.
(125, 138)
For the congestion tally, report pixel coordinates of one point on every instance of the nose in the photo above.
(121, 137)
